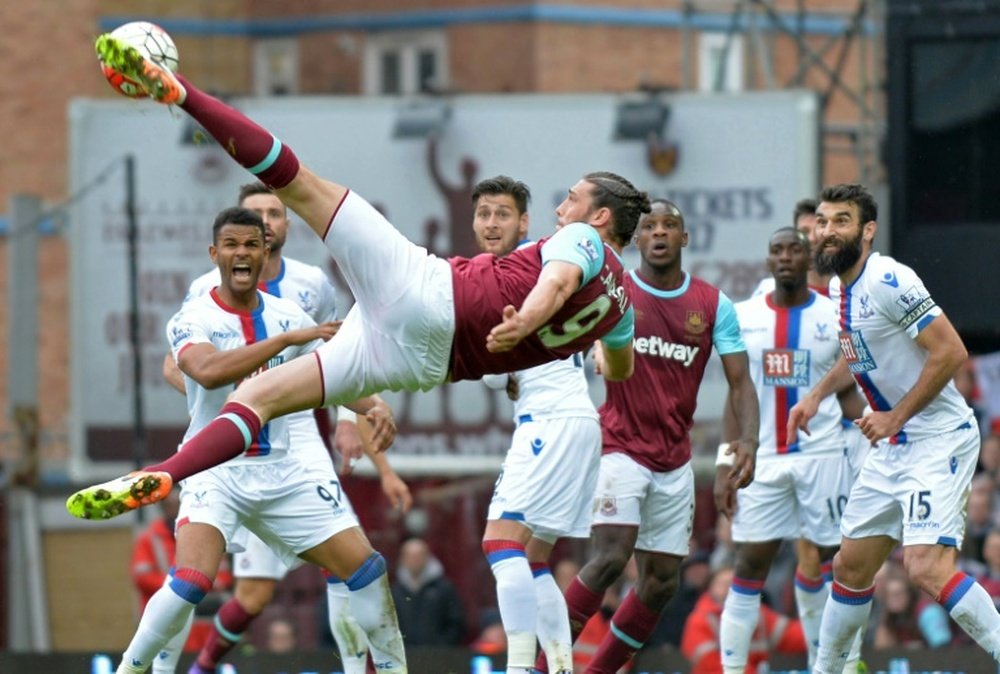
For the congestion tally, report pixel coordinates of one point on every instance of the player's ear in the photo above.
(868, 232)
(601, 216)
(213, 253)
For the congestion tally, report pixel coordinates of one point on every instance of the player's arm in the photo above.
(378, 413)
(392, 485)
(614, 355)
(945, 354)
(557, 281)
(852, 403)
(618, 363)
(837, 379)
(173, 375)
(213, 368)
(737, 459)
(745, 408)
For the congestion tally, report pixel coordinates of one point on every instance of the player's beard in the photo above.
(841, 260)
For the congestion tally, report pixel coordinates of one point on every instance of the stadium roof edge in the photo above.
(813, 22)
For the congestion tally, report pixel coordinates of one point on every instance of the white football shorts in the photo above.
(399, 333)
(254, 559)
(660, 504)
(915, 492)
(548, 477)
(794, 496)
(289, 508)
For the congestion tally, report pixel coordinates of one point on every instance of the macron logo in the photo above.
(654, 346)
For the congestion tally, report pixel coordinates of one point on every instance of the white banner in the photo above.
(741, 162)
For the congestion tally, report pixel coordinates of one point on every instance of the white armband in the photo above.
(722, 458)
(344, 414)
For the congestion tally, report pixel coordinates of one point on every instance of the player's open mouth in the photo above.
(241, 271)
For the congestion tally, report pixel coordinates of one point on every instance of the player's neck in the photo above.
(670, 277)
(271, 268)
(790, 297)
(242, 300)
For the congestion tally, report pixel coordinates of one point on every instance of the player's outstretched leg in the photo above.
(223, 438)
(252, 146)
(112, 498)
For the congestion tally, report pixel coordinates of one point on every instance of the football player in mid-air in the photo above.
(419, 320)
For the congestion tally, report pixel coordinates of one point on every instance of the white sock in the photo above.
(972, 608)
(552, 622)
(845, 613)
(810, 598)
(352, 643)
(165, 615)
(516, 600)
(740, 614)
(166, 659)
(372, 607)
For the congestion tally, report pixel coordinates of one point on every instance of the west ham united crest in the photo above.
(695, 323)
(662, 155)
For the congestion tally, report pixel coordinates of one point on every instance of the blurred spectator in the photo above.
(429, 609)
(908, 618)
(281, 636)
(989, 456)
(979, 518)
(990, 576)
(700, 643)
(695, 574)
(492, 639)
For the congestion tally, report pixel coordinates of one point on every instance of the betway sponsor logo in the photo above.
(654, 346)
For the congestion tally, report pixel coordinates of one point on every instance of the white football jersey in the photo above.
(880, 315)
(556, 389)
(206, 319)
(790, 349)
(308, 286)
